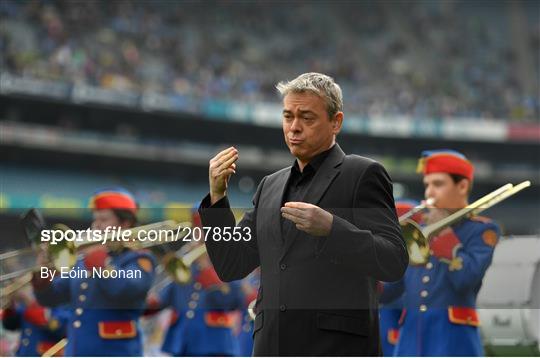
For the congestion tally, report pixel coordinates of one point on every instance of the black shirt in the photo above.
(298, 185)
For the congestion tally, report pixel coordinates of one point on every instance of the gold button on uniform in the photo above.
(79, 311)
(429, 265)
(25, 341)
(197, 285)
(28, 331)
(425, 279)
(54, 324)
(190, 314)
(194, 296)
(77, 324)
(82, 298)
(192, 305)
(84, 285)
(423, 308)
(424, 293)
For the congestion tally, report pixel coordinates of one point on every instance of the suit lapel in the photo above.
(276, 191)
(324, 177)
(319, 185)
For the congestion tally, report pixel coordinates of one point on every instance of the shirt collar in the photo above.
(315, 162)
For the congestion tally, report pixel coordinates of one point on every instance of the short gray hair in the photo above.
(319, 84)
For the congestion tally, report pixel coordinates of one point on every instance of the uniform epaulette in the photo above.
(482, 219)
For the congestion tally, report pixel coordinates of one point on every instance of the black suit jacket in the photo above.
(318, 294)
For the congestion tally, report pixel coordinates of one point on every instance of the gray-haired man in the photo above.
(323, 231)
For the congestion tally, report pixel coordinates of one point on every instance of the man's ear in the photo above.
(337, 122)
(463, 186)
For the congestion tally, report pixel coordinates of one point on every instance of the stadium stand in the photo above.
(234, 51)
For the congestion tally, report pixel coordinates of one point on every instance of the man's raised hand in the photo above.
(221, 167)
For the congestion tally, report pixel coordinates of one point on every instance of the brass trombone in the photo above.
(179, 267)
(60, 255)
(176, 267)
(176, 264)
(8, 292)
(409, 214)
(417, 238)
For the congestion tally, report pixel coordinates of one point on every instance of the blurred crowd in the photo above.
(420, 58)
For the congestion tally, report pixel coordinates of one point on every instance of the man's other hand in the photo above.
(309, 218)
(222, 166)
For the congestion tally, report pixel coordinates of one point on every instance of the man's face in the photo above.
(307, 128)
(104, 218)
(447, 194)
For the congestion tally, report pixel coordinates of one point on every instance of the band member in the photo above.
(205, 311)
(106, 311)
(40, 327)
(323, 232)
(439, 298)
(390, 313)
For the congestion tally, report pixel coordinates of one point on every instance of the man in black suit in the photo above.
(323, 231)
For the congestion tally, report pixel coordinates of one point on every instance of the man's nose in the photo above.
(428, 193)
(296, 126)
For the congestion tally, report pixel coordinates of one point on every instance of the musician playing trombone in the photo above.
(105, 318)
(439, 297)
